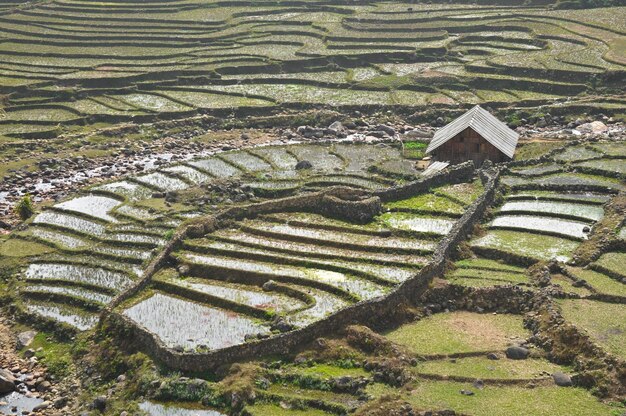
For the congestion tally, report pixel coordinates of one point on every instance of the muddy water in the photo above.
(382, 244)
(179, 322)
(325, 304)
(189, 173)
(216, 167)
(411, 222)
(57, 237)
(162, 182)
(78, 274)
(92, 205)
(247, 161)
(22, 402)
(249, 297)
(126, 189)
(320, 251)
(547, 224)
(69, 221)
(278, 156)
(74, 317)
(590, 212)
(71, 291)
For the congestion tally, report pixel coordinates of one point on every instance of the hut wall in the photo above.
(469, 145)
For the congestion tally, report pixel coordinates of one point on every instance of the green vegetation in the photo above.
(24, 207)
(459, 332)
(414, 150)
(505, 401)
(55, 355)
(604, 322)
(536, 246)
(484, 368)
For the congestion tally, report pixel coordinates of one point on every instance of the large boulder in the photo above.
(25, 338)
(516, 352)
(593, 127)
(7, 381)
(562, 379)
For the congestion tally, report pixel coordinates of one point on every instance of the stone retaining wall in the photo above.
(366, 312)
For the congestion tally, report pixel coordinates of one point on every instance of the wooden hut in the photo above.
(476, 135)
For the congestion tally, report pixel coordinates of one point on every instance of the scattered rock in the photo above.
(467, 392)
(516, 352)
(593, 127)
(7, 381)
(562, 379)
(24, 339)
(493, 356)
(479, 384)
(42, 406)
(303, 164)
(100, 403)
(61, 402)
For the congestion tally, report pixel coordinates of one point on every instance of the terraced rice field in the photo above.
(105, 238)
(68, 63)
(547, 210)
(254, 277)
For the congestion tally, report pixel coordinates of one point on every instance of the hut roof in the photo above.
(482, 122)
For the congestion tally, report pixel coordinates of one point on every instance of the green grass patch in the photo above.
(484, 368)
(535, 150)
(15, 247)
(613, 262)
(600, 282)
(428, 203)
(270, 409)
(506, 401)
(331, 371)
(54, 355)
(459, 332)
(604, 322)
(481, 263)
(536, 246)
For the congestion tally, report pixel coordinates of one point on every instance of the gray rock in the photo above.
(25, 338)
(562, 379)
(516, 352)
(387, 129)
(7, 381)
(100, 403)
(42, 406)
(61, 402)
(493, 356)
(467, 392)
(303, 164)
(337, 126)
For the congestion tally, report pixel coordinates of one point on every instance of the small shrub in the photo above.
(24, 208)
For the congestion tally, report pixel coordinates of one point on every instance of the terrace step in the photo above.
(64, 314)
(90, 277)
(542, 225)
(384, 275)
(567, 210)
(215, 167)
(92, 205)
(246, 161)
(587, 197)
(248, 271)
(317, 251)
(206, 327)
(339, 240)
